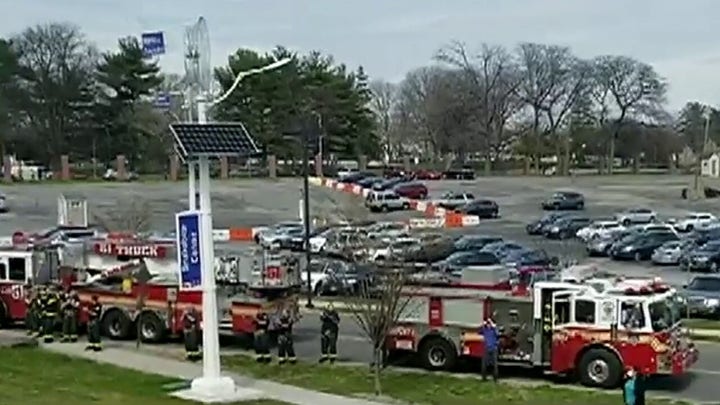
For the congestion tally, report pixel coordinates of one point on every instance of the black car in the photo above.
(388, 184)
(481, 208)
(640, 246)
(368, 182)
(355, 177)
(566, 227)
(460, 260)
(705, 235)
(564, 200)
(703, 258)
(536, 227)
(474, 242)
(464, 173)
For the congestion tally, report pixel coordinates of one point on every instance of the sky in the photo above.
(391, 37)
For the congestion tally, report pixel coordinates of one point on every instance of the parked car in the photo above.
(428, 175)
(640, 246)
(281, 237)
(636, 216)
(500, 249)
(389, 184)
(566, 227)
(653, 227)
(702, 236)
(415, 191)
(348, 278)
(394, 249)
(369, 182)
(3, 203)
(355, 177)
(601, 246)
(386, 201)
(452, 200)
(527, 257)
(458, 261)
(702, 258)
(344, 172)
(464, 173)
(279, 227)
(694, 220)
(671, 252)
(536, 227)
(474, 242)
(564, 200)
(386, 229)
(481, 208)
(702, 297)
(599, 229)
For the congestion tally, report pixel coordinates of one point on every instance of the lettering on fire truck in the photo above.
(112, 249)
(16, 292)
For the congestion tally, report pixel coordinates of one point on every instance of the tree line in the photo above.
(537, 101)
(60, 95)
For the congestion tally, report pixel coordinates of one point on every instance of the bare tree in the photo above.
(635, 89)
(132, 215)
(376, 309)
(494, 80)
(382, 104)
(552, 79)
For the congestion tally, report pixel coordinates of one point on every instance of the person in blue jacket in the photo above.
(490, 335)
(629, 392)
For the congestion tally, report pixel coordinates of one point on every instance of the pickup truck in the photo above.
(454, 200)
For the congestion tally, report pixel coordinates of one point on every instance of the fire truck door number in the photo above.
(17, 292)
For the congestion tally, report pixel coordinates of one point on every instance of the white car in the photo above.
(599, 229)
(276, 238)
(3, 203)
(344, 172)
(636, 216)
(387, 230)
(389, 250)
(659, 227)
(695, 220)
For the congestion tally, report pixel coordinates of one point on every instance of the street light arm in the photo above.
(242, 75)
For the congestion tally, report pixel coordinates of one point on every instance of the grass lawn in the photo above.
(32, 376)
(702, 323)
(422, 388)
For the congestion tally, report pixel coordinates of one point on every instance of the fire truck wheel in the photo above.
(437, 353)
(600, 368)
(116, 325)
(151, 328)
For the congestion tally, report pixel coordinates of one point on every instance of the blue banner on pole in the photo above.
(189, 242)
(162, 101)
(153, 43)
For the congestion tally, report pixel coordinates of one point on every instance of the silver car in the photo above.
(671, 252)
(636, 216)
(386, 201)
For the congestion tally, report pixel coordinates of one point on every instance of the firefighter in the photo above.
(286, 348)
(31, 310)
(51, 305)
(191, 335)
(547, 318)
(70, 317)
(94, 312)
(329, 334)
(262, 340)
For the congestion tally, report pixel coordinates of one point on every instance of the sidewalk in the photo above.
(148, 363)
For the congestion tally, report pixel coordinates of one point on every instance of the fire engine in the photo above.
(135, 279)
(592, 329)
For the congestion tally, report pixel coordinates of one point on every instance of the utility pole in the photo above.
(306, 208)
(701, 152)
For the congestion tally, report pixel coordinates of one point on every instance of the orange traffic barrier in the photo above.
(453, 220)
(413, 205)
(241, 234)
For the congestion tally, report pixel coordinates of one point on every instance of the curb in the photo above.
(435, 216)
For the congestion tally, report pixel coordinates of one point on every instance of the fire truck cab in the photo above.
(594, 329)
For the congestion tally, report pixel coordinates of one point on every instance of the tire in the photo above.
(151, 328)
(626, 222)
(384, 208)
(689, 228)
(406, 206)
(600, 368)
(713, 267)
(317, 290)
(581, 206)
(637, 257)
(116, 325)
(564, 235)
(652, 218)
(437, 353)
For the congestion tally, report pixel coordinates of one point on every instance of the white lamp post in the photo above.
(211, 386)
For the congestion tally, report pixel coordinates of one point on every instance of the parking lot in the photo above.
(519, 199)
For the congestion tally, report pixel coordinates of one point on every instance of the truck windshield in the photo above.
(664, 313)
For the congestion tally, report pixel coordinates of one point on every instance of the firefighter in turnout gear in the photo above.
(191, 335)
(70, 317)
(31, 313)
(94, 310)
(286, 346)
(50, 307)
(262, 339)
(329, 334)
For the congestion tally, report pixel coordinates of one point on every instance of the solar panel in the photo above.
(216, 139)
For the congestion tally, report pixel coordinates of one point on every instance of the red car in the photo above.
(428, 175)
(414, 191)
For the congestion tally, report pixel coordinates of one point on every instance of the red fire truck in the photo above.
(593, 329)
(109, 267)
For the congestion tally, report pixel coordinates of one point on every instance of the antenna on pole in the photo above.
(198, 70)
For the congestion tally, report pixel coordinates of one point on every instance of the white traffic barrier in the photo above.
(470, 220)
(221, 235)
(426, 223)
